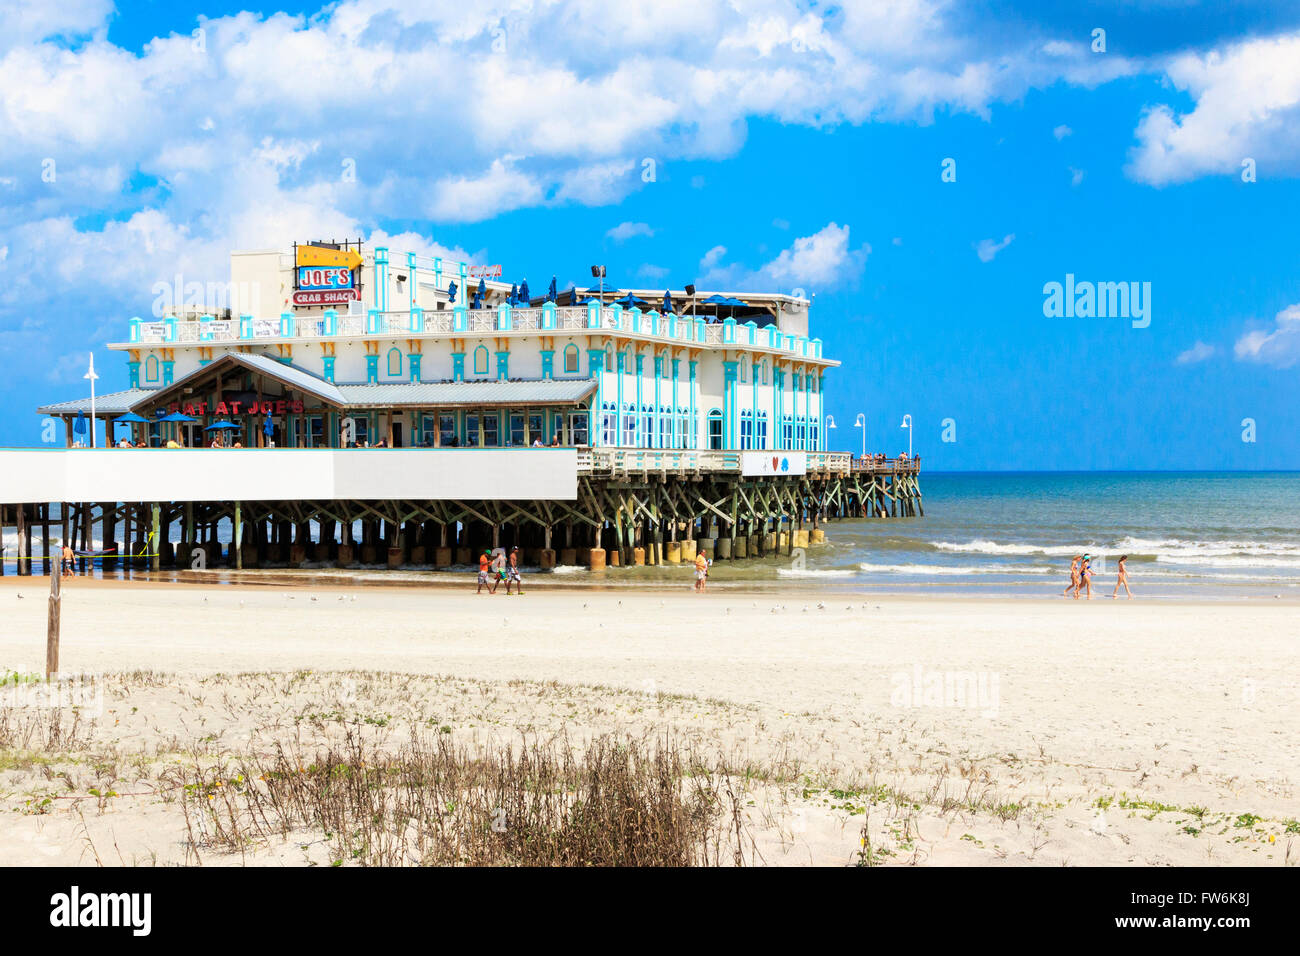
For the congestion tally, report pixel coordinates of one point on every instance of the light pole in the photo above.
(862, 423)
(90, 374)
(907, 423)
(598, 272)
(830, 423)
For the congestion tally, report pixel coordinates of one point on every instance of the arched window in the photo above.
(715, 429)
(609, 358)
(570, 359)
(151, 369)
(394, 362)
(744, 371)
(763, 369)
(481, 360)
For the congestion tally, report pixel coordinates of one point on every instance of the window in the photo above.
(578, 428)
(801, 439)
(446, 430)
(316, 432)
(746, 430)
(517, 437)
(744, 375)
(481, 360)
(665, 428)
(471, 429)
(394, 362)
(787, 433)
(362, 431)
(685, 434)
(760, 436)
(715, 429)
(491, 430)
(609, 359)
(536, 428)
(629, 426)
(151, 369)
(570, 359)
(816, 437)
(763, 370)
(646, 438)
(608, 435)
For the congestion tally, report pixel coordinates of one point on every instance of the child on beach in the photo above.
(1122, 579)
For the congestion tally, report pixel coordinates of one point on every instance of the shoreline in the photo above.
(380, 579)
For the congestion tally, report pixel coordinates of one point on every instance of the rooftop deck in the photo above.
(456, 322)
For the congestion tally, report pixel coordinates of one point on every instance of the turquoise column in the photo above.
(676, 426)
(503, 365)
(168, 372)
(458, 366)
(414, 360)
(659, 415)
(639, 418)
(410, 278)
(381, 278)
(695, 415)
(619, 363)
(729, 410)
(328, 371)
(807, 410)
(133, 373)
(548, 363)
(778, 407)
(596, 369)
(372, 369)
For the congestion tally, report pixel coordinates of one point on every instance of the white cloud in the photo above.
(824, 259)
(986, 249)
(1247, 105)
(1197, 353)
(626, 230)
(653, 272)
(1062, 131)
(1279, 346)
(1076, 176)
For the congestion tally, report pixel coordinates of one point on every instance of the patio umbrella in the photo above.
(514, 294)
(267, 427)
(131, 418)
(217, 426)
(175, 417)
(524, 297)
(724, 301)
(668, 302)
(629, 300)
(482, 288)
(550, 295)
(451, 292)
(79, 426)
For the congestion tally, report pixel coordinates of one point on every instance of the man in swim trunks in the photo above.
(484, 565)
(512, 572)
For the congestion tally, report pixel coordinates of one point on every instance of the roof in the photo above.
(110, 403)
(541, 392)
(292, 375)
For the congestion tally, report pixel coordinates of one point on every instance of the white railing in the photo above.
(396, 323)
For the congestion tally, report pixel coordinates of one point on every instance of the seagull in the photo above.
(20, 597)
(821, 606)
(313, 597)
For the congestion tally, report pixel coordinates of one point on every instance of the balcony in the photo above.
(501, 320)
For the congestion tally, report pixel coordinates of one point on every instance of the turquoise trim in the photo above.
(695, 389)
(459, 318)
(414, 361)
(328, 371)
(133, 372)
(458, 366)
(548, 363)
(596, 369)
(331, 322)
(286, 325)
(372, 369)
(503, 365)
(245, 326)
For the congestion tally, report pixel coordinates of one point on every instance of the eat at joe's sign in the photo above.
(225, 409)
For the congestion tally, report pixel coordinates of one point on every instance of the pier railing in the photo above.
(290, 327)
(619, 461)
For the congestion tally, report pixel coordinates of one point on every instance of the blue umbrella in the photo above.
(629, 300)
(451, 292)
(267, 427)
(79, 426)
(524, 297)
(482, 288)
(176, 417)
(514, 294)
(217, 426)
(668, 302)
(550, 295)
(131, 417)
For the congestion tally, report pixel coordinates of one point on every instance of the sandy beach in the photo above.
(960, 730)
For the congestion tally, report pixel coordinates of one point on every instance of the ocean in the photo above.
(1214, 532)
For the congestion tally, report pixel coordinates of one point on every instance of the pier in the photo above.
(197, 509)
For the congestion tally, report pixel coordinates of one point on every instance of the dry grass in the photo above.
(619, 802)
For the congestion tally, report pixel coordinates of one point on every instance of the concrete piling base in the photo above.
(688, 550)
(740, 547)
(638, 556)
(818, 536)
(568, 556)
(395, 557)
(596, 559)
(674, 552)
(442, 557)
(722, 548)
(546, 559)
(347, 554)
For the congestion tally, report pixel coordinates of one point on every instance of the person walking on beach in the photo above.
(512, 572)
(1122, 578)
(701, 570)
(66, 564)
(1085, 577)
(1074, 577)
(484, 569)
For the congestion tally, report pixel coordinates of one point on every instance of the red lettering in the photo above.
(234, 408)
(279, 407)
(189, 409)
(221, 409)
(297, 407)
(203, 408)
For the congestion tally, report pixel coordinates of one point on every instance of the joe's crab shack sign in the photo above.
(276, 407)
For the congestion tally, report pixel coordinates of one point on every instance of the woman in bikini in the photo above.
(1122, 578)
(1085, 577)
(1074, 577)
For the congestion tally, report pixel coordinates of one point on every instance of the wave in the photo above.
(815, 572)
(936, 569)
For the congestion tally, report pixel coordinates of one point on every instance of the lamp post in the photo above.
(598, 272)
(907, 423)
(830, 423)
(862, 423)
(90, 374)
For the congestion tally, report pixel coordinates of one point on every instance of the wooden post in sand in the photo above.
(52, 629)
(155, 552)
(236, 537)
(23, 567)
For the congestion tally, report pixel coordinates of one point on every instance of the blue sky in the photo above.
(794, 146)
